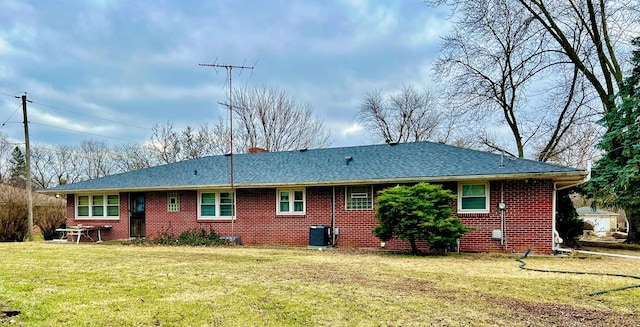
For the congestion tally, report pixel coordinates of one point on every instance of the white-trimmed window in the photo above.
(359, 197)
(291, 201)
(173, 201)
(98, 206)
(473, 197)
(216, 205)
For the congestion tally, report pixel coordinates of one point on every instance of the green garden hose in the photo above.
(523, 264)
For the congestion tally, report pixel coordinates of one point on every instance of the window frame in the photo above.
(217, 205)
(487, 196)
(292, 201)
(92, 207)
(346, 196)
(173, 207)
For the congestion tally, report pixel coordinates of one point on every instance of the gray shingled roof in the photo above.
(383, 163)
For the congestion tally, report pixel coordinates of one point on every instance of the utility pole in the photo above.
(229, 69)
(27, 157)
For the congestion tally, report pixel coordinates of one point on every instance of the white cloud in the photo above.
(5, 48)
(137, 92)
(104, 3)
(348, 134)
(351, 130)
(136, 61)
(71, 123)
(93, 23)
(428, 32)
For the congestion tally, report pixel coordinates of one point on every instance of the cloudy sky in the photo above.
(108, 69)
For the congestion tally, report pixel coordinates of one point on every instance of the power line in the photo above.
(80, 132)
(76, 150)
(9, 95)
(14, 112)
(90, 116)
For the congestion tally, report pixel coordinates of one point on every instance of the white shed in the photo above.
(603, 221)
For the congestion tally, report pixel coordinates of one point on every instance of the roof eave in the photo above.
(565, 178)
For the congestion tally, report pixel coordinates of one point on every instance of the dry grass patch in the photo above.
(112, 285)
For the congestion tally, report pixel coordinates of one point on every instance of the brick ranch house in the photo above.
(279, 195)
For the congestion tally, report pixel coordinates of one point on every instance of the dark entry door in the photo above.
(137, 219)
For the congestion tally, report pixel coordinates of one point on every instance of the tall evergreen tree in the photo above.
(616, 177)
(18, 169)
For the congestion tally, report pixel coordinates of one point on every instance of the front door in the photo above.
(136, 220)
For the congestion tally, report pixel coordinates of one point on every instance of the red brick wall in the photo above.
(355, 225)
(528, 218)
(120, 227)
(259, 223)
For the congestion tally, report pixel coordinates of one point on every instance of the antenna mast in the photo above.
(229, 69)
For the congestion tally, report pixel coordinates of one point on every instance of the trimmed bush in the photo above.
(419, 212)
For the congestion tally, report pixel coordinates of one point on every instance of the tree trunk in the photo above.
(414, 247)
(633, 218)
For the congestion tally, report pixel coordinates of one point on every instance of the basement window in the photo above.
(359, 197)
(473, 197)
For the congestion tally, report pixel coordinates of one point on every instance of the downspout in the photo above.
(554, 246)
(503, 222)
(333, 216)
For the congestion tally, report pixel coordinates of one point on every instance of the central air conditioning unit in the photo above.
(320, 235)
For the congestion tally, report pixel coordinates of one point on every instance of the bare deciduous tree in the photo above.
(5, 154)
(204, 141)
(53, 165)
(168, 145)
(503, 57)
(405, 116)
(96, 159)
(132, 156)
(66, 166)
(576, 149)
(602, 25)
(42, 160)
(272, 120)
(165, 142)
(489, 61)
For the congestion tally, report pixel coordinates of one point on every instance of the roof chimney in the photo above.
(257, 150)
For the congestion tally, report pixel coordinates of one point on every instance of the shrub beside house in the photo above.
(48, 213)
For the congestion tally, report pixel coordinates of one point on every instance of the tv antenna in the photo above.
(229, 69)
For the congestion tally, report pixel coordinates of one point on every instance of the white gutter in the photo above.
(555, 246)
(570, 176)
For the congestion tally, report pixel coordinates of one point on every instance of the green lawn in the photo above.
(55, 284)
